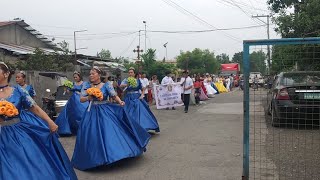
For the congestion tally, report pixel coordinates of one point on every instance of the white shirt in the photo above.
(167, 80)
(145, 83)
(187, 84)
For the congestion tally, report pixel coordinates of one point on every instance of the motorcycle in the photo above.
(48, 104)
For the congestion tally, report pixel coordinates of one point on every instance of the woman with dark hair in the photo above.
(71, 115)
(28, 151)
(21, 81)
(136, 107)
(105, 135)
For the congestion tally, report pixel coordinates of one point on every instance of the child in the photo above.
(197, 86)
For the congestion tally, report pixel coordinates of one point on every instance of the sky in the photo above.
(114, 24)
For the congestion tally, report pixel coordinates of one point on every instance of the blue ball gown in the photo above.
(137, 109)
(105, 135)
(28, 151)
(24, 112)
(71, 115)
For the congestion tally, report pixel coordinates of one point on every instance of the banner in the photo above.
(168, 96)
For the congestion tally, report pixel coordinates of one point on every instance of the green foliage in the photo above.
(104, 54)
(258, 62)
(238, 58)
(303, 21)
(223, 58)
(56, 61)
(198, 61)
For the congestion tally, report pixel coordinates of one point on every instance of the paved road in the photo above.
(204, 144)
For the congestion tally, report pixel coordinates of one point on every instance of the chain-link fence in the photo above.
(282, 109)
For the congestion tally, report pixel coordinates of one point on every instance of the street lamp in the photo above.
(75, 45)
(145, 35)
(165, 46)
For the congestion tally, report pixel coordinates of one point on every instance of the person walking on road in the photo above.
(187, 89)
(167, 80)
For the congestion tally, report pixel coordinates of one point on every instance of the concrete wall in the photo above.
(15, 34)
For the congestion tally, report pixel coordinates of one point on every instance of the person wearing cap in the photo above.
(28, 151)
(72, 113)
(187, 85)
(105, 134)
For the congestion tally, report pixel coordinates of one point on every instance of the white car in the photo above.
(259, 78)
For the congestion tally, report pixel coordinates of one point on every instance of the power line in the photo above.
(209, 30)
(188, 13)
(125, 50)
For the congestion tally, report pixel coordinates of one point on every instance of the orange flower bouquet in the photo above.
(96, 92)
(8, 109)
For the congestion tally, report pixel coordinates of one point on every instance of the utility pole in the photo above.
(75, 45)
(268, 33)
(145, 35)
(165, 46)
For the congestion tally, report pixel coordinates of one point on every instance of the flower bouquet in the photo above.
(96, 92)
(68, 84)
(7, 109)
(132, 82)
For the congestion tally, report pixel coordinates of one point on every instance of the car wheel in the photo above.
(275, 121)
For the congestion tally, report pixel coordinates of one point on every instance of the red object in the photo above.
(283, 95)
(230, 67)
(150, 96)
(203, 88)
(197, 84)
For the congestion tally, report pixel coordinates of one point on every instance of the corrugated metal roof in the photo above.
(27, 27)
(22, 50)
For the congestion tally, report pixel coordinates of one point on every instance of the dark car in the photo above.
(295, 97)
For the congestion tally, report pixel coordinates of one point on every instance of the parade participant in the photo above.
(145, 84)
(72, 113)
(207, 83)
(154, 82)
(21, 81)
(197, 87)
(167, 80)
(28, 151)
(136, 108)
(221, 88)
(187, 85)
(105, 135)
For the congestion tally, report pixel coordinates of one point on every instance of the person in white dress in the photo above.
(167, 80)
(207, 84)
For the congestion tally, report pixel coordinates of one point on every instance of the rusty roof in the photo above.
(5, 23)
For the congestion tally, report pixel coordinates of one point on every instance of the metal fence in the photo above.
(281, 109)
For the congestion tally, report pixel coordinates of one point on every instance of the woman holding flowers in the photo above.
(21, 81)
(28, 151)
(105, 135)
(70, 117)
(136, 108)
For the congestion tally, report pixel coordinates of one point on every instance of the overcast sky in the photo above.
(101, 18)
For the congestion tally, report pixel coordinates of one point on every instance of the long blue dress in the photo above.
(24, 112)
(137, 109)
(105, 135)
(71, 115)
(28, 151)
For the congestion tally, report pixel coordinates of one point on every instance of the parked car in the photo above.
(295, 97)
(259, 77)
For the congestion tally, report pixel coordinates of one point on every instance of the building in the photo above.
(18, 40)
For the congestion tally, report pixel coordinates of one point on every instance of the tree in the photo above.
(303, 21)
(60, 60)
(198, 61)
(223, 58)
(238, 58)
(149, 58)
(104, 54)
(258, 62)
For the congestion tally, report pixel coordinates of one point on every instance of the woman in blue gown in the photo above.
(28, 151)
(105, 135)
(21, 81)
(71, 115)
(136, 108)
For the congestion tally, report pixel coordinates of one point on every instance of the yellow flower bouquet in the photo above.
(8, 109)
(96, 92)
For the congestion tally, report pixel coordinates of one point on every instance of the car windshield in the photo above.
(292, 79)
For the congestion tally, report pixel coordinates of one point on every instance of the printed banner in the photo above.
(168, 96)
